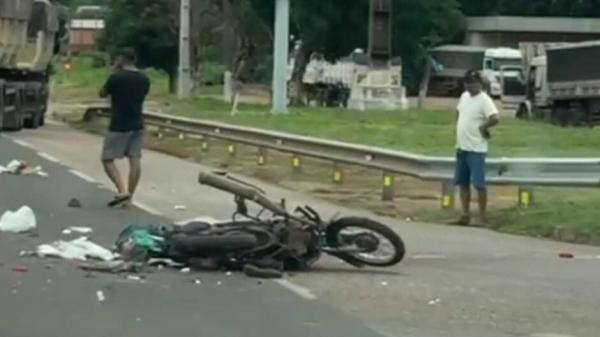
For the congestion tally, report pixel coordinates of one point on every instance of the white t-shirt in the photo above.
(473, 111)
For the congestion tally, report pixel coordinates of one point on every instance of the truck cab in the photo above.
(499, 63)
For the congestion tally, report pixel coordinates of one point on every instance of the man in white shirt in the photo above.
(476, 115)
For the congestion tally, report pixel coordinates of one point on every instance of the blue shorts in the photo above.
(470, 169)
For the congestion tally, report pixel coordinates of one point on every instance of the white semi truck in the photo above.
(563, 84)
(500, 68)
(29, 32)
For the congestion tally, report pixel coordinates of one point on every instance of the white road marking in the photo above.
(23, 143)
(83, 176)
(298, 290)
(48, 157)
(429, 257)
(147, 208)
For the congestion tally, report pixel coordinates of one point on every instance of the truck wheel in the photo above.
(32, 122)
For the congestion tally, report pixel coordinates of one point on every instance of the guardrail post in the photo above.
(525, 196)
(296, 164)
(204, 146)
(261, 156)
(388, 187)
(231, 150)
(448, 195)
(338, 173)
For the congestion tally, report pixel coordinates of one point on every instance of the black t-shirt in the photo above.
(127, 90)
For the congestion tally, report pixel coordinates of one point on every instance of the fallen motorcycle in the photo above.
(273, 237)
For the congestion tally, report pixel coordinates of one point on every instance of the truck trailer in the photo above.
(564, 85)
(29, 31)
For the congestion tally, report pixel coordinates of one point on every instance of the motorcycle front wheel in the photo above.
(376, 244)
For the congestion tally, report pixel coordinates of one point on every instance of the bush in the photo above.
(97, 59)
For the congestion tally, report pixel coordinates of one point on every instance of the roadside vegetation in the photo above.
(563, 214)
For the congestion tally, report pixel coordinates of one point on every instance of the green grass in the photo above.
(431, 132)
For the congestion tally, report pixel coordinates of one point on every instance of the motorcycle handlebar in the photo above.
(241, 190)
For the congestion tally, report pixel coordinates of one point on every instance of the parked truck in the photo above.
(563, 84)
(451, 62)
(29, 31)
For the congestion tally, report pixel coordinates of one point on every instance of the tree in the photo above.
(148, 26)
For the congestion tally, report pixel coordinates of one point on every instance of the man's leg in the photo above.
(112, 171)
(135, 172)
(462, 178)
(477, 164)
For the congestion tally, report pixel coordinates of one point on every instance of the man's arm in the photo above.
(491, 114)
(105, 91)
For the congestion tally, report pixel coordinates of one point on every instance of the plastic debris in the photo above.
(180, 208)
(22, 220)
(185, 270)
(26, 253)
(228, 273)
(100, 296)
(566, 255)
(20, 269)
(384, 284)
(434, 301)
(134, 278)
(78, 249)
(198, 282)
(19, 167)
(76, 229)
(219, 283)
(74, 203)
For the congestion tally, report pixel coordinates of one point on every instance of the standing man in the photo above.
(477, 114)
(127, 88)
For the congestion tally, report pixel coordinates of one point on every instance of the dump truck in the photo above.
(563, 85)
(451, 62)
(29, 35)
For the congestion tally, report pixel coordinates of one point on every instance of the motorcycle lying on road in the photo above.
(272, 237)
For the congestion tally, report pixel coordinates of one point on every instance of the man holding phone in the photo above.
(476, 115)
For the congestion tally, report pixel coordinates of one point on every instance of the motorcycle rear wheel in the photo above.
(335, 229)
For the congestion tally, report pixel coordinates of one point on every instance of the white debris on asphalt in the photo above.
(134, 278)
(77, 229)
(384, 284)
(78, 249)
(22, 220)
(19, 167)
(180, 207)
(228, 273)
(219, 283)
(434, 301)
(185, 270)
(100, 296)
(198, 282)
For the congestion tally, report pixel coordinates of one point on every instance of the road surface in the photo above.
(454, 281)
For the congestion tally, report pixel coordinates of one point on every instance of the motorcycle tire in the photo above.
(334, 229)
(197, 244)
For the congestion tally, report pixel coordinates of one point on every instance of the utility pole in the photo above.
(184, 78)
(280, 55)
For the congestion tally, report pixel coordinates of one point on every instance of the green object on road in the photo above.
(140, 243)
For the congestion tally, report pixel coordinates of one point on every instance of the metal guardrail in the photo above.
(561, 172)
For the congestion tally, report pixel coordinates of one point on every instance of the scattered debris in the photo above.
(384, 284)
(219, 283)
(78, 249)
(22, 220)
(135, 278)
(74, 203)
(26, 253)
(100, 296)
(20, 269)
(76, 229)
(566, 255)
(160, 263)
(434, 301)
(198, 282)
(113, 267)
(18, 167)
(180, 207)
(185, 270)
(228, 273)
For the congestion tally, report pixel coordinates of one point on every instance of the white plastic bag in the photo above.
(78, 249)
(22, 220)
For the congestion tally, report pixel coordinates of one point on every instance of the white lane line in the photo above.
(147, 208)
(23, 143)
(298, 290)
(48, 157)
(429, 257)
(84, 176)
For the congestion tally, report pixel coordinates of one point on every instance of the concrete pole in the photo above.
(184, 78)
(280, 55)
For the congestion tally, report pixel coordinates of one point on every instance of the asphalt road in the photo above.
(54, 298)
(455, 282)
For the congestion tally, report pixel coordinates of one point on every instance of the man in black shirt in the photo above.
(127, 88)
